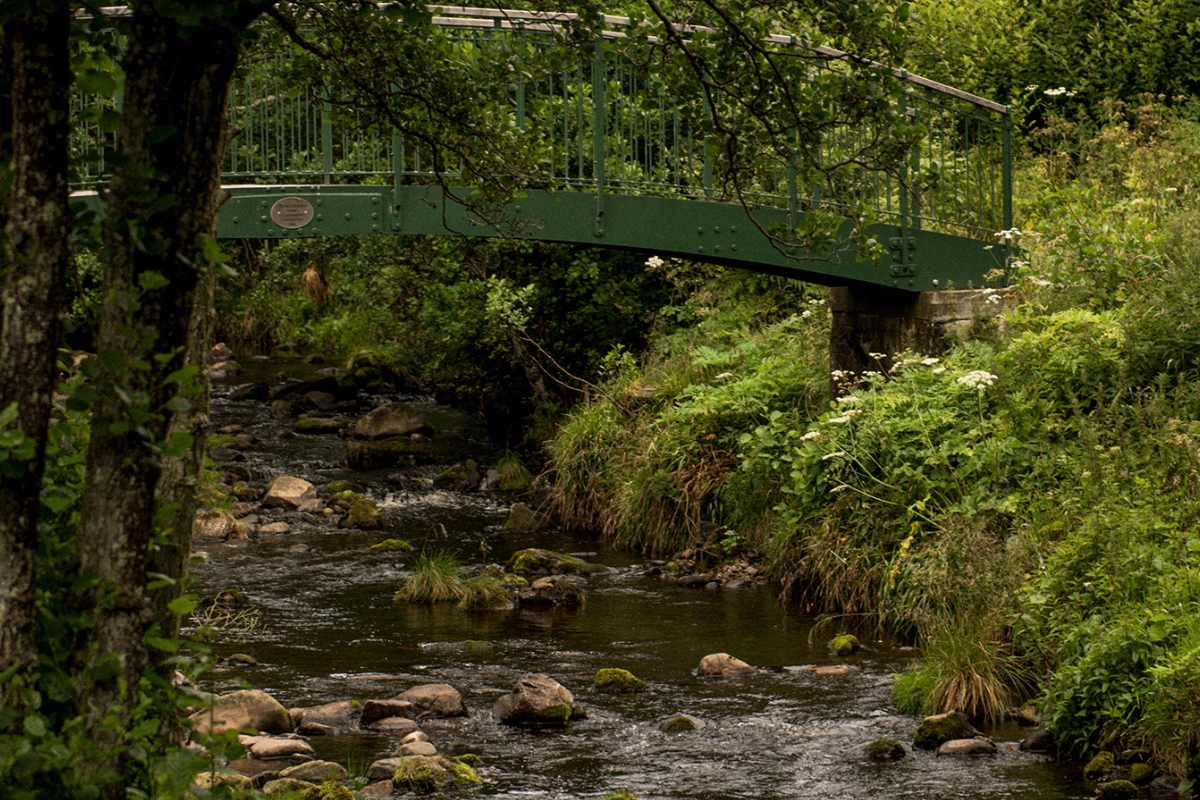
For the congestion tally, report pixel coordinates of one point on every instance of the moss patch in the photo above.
(464, 775)
(216, 440)
(318, 425)
(335, 487)
(392, 545)
(844, 645)
(536, 560)
(328, 791)
(348, 495)
(1117, 790)
(420, 774)
(613, 680)
(885, 750)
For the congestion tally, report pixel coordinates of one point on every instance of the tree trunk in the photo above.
(36, 253)
(162, 208)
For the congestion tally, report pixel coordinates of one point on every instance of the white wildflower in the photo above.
(807, 313)
(1033, 87)
(837, 489)
(871, 373)
(723, 376)
(877, 356)
(995, 299)
(838, 454)
(816, 302)
(939, 370)
(842, 419)
(1056, 92)
(977, 379)
(808, 437)
(848, 399)
(929, 362)
(654, 262)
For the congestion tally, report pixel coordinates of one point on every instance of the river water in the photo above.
(329, 630)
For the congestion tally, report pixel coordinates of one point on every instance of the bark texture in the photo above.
(163, 202)
(36, 250)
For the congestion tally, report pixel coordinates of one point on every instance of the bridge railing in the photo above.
(607, 122)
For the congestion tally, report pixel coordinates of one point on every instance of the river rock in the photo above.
(340, 715)
(394, 451)
(461, 477)
(259, 391)
(537, 699)
(373, 710)
(723, 665)
(400, 725)
(1038, 741)
(415, 736)
(380, 788)
(319, 425)
(935, 730)
(288, 491)
(220, 352)
(552, 590)
(316, 771)
(521, 517)
(1029, 716)
(434, 700)
(535, 561)
(418, 749)
(274, 529)
(268, 748)
(214, 525)
(844, 645)
(249, 710)
(209, 779)
(394, 419)
(383, 768)
(975, 746)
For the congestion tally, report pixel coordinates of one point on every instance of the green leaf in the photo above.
(35, 726)
(151, 280)
(178, 404)
(182, 605)
(178, 445)
(106, 668)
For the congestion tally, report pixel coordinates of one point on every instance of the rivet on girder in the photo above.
(700, 248)
(733, 228)
(347, 216)
(717, 249)
(733, 247)
(375, 201)
(699, 230)
(374, 215)
(374, 227)
(717, 229)
(320, 202)
(264, 219)
(236, 220)
(320, 217)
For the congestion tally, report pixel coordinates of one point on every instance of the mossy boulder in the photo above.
(940, 728)
(461, 477)
(287, 786)
(392, 545)
(1099, 765)
(321, 425)
(680, 723)
(1142, 773)
(1117, 790)
(844, 645)
(364, 513)
(536, 700)
(513, 476)
(535, 561)
(429, 773)
(886, 750)
(521, 516)
(620, 796)
(216, 440)
(333, 488)
(328, 791)
(613, 680)
(368, 454)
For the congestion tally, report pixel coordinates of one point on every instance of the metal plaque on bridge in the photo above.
(292, 212)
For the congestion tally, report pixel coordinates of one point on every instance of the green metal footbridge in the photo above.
(627, 163)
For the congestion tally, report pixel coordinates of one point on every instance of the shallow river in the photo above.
(329, 630)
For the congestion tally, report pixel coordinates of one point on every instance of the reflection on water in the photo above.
(331, 631)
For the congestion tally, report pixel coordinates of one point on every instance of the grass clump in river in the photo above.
(484, 592)
(436, 578)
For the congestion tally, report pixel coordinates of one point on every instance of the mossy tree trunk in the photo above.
(36, 84)
(149, 399)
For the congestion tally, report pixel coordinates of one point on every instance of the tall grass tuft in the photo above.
(967, 667)
(514, 477)
(436, 578)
